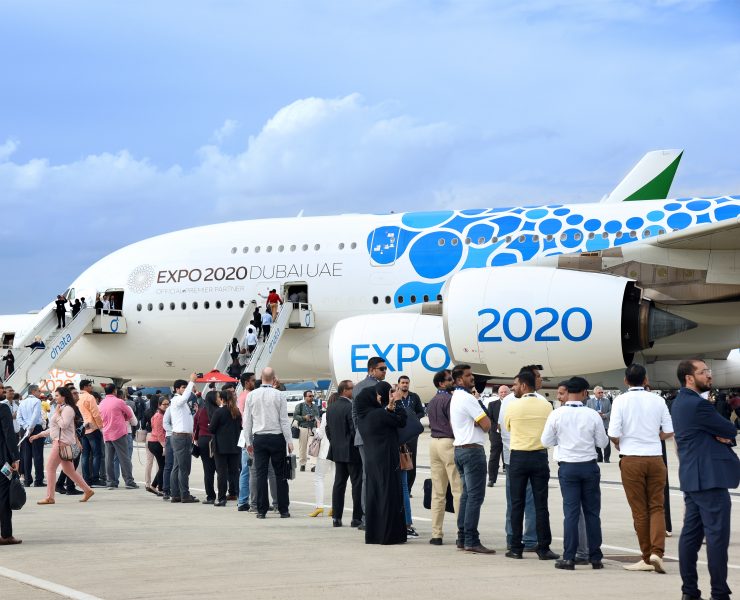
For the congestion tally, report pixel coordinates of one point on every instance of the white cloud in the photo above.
(8, 149)
(225, 131)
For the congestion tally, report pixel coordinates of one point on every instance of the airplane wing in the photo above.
(650, 179)
(724, 235)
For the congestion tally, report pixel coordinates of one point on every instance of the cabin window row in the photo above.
(194, 305)
(291, 248)
(536, 238)
(413, 299)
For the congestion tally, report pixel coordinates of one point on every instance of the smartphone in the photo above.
(199, 375)
(7, 471)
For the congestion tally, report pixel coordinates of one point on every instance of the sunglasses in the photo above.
(382, 368)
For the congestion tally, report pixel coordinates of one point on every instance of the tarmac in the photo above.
(129, 544)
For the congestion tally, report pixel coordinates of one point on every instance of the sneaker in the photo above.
(74, 492)
(132, 486)
(411, 532)
(60, 489)
(640, 565)
(657, 562)
(243, 508)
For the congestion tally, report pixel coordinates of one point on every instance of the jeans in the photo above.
(271, 448)
(167, 472)
(406, 498)
(117, 464)
(118, 448)
(530, 532)
(532, 467)
(92, 456)
(579, 485)
(182, 452)
(244, 479)
(471, 463)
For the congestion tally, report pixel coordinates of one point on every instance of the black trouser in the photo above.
(524, 467)
(497, 448)
(265, 332)
(33, 455)
(270, 448)
(353, 471)
(66, 482)
(606, 455)
(156, 449)
(228, 467)
(209, 466)
(411, 475)
(6, 515)
(61, 319)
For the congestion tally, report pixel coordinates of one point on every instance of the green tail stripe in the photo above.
(657, 188)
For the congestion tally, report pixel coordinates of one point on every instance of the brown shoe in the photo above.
(231, 498)
(480, 549)
(9, 541)
(47, 501)
(88, 494)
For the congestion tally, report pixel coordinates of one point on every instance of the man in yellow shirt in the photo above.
(525, 420)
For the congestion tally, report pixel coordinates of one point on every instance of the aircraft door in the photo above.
(384, 246)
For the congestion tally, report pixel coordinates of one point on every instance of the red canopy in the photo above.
(215, 377)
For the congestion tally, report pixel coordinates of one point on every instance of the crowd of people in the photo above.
(368, 435)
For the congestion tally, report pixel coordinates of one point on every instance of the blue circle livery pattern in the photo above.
(438, 243)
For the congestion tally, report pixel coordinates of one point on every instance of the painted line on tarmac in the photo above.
(48, 586)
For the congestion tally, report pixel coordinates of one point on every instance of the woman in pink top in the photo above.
(156, 443)
(62, 431)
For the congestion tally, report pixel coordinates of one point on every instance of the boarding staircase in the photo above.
(292, 315)
(32, 365)
(224, 360)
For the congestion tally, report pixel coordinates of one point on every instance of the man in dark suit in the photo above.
(340, 430)
(8, 454)
(708, 467)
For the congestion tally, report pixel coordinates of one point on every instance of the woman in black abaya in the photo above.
(379, 422)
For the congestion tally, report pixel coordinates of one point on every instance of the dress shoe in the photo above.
(547, 555)
(10, 541)
(657, 563)
(687, 597)
(480, 549)
(354, 522)
(231, 497)
(132, 486)
(59, 489)
(189, 500)
(285, 515)
(208, 501)
(243, 508)
(436, 541)
(175, 499)
(460, 544)
(490, 484)
(261, 516)
(47, 501)
(582, 561)
(597, 564)
(531, 548)
(303, 467)
(220, 503)
(74, 492)
(316, 512)
(565, 564)
(514, 554)
(87, 495)
(640, 565)
(336, 522)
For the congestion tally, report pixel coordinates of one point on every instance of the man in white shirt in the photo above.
(181, 441)
(639, 420)
(267, 427)
(577, 432)
(470, 424)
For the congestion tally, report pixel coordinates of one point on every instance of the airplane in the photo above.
(580, 289)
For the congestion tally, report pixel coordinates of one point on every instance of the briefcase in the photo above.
(290, 467)
(449, 504)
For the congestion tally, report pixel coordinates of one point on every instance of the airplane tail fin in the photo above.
(650, 179)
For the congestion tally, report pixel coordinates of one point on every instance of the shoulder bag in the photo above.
(406, 462)
(70, 451)
(17, 492)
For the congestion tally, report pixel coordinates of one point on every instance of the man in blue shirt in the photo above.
(29, 420)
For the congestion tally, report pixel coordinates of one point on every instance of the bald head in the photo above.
(268, 375)
(503, 391)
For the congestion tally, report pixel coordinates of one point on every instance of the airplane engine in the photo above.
(498, 319)
(410, 344)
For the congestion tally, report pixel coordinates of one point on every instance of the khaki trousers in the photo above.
(303, 438)
(643, 479)
(444, 472)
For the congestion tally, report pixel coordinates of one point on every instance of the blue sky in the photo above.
(119, 121)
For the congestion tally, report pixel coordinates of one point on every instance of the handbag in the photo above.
(412, 429)
(314, 447)
(290, 467)
(406, 462)
(449, 503)
(295, 431)
(70, 451)
(195, 451)
(17, 492)
(141, 435)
